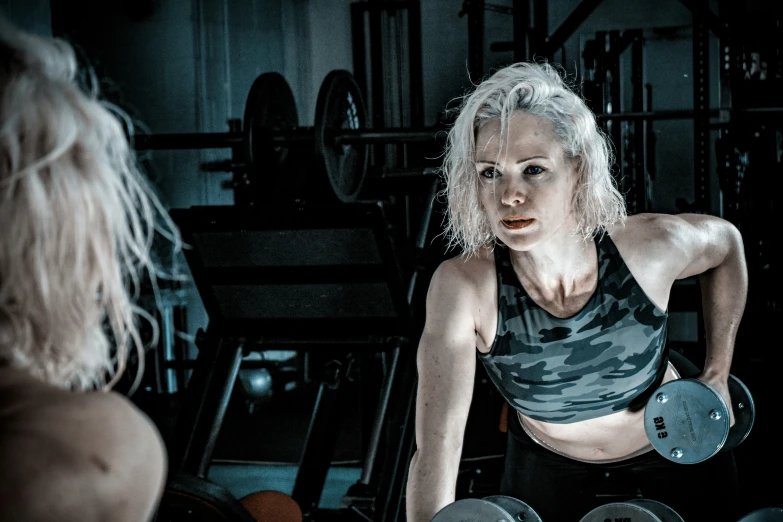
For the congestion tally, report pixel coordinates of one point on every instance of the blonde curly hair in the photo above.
(537, 89)
(78, 222)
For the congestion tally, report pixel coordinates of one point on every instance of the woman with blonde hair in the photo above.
(563, 298)
(78, 220)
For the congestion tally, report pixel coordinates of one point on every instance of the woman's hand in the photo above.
(721, 385)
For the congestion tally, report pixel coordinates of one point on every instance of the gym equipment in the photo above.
(645, 510)
(339, 137)
(190, 498)
(270, 107)
(340, 108)
(687, 421)
(638, 510)
(321, 279)
(263, 141)
(271, 506)
(770, 514)
(496, 508)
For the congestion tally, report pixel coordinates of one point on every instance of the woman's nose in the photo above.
(513, 193)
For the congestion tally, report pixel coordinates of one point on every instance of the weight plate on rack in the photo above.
(270, 109)
(339, 107)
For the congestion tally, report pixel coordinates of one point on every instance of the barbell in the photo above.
(340, 135)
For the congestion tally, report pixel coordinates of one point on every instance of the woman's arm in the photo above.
(714, 251)
(447, 363)
(689, 245)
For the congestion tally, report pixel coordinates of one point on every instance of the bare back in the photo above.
(75, 456)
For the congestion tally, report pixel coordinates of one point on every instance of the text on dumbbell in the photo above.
(660, 426)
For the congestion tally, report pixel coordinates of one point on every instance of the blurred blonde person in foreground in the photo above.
(78, 220)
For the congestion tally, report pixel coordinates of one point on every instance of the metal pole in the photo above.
(701, 101)
(476, 40)
(320, 441)
(385, 136)
(203, 140)
(380, 417)
(521, 27)
(637, 105)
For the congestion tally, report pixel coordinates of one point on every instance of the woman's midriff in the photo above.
(604, 439)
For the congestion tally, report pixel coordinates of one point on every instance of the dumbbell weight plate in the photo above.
(518, 510)
(473, 510)
(686, 421)
(339, 107)
(659, 509)
(191, 499)
(744, 413)
(621, 511)
(772, 514)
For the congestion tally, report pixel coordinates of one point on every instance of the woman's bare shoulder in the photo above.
(29, 401)
(461, 288)
(640, 230)
(473, 270)
(55, 441)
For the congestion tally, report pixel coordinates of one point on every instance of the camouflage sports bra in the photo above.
(591, 364)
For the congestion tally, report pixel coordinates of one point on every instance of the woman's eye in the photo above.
(534, 170)
(490, 173)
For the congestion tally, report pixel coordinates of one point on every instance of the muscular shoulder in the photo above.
(57, 445)
(681, 244)
(461, 280)
(471, 271)
(642, 229)
(458, 289)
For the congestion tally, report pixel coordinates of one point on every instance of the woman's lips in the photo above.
(516, 223)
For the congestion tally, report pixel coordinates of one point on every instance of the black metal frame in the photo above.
(361, 32)
(222, 346)
(604, 53)
(533, 41)
(276, 329)
(201, 417)
(701, 105)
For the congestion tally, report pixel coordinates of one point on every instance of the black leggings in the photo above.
(564, 490)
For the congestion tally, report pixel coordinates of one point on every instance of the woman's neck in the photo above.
(561, 266)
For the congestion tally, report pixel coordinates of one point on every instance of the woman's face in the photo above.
(526, 185)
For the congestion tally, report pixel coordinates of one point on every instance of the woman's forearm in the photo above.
(724, 293)
(432, 482)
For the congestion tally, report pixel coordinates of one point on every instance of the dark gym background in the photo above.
(708, 73)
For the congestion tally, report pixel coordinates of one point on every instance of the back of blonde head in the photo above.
(78, 221)
(536, 89)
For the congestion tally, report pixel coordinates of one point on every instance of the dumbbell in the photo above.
(500, 508)
(687, 421)
(495, 508)
(645, 510)
(770, 514)
(637, 510)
